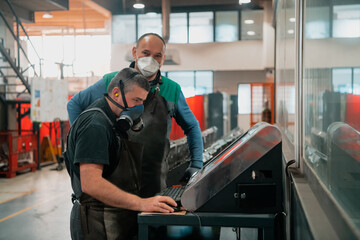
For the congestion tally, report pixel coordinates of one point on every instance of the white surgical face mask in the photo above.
(148, 66)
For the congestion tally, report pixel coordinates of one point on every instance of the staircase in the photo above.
(14, 75)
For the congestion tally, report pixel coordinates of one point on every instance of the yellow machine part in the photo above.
(48, 152)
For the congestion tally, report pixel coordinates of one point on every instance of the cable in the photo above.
(198, 217)
(287, 167)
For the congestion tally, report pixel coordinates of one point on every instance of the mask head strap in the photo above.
(121, 84)
(122, 93)
(113, 101)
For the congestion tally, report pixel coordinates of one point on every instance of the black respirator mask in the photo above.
(129, 117)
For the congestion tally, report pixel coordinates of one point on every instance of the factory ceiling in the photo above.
(56, 17)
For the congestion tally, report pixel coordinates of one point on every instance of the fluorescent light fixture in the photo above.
(292, 19)
(250, 33)
(249, 21)
(138, 5)
(291, 31)
(47, 15)
(244, 1)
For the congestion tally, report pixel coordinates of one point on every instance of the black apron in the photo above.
(92, 219)
(100, 221)
(156, 144)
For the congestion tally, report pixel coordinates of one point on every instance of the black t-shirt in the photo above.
(92, 139)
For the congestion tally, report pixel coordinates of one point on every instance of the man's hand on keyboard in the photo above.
(158, 204)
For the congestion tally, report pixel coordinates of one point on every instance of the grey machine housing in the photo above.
(246, 177)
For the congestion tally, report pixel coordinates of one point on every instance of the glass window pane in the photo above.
(346, 21)
(123, 29)
(149, 23)
(341, 80)
(331, 109)
(186, 81)
(317, 22)
(201, 27)
(96, 61)
(203, 82)
(73, 50)
(252, 24)
(244, 99)
(227, 26)
(356, 87)
(285, 67)
(178, 28)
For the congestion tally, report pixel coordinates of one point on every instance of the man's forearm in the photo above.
(111, 195)
(196, 147)
(96, 186)
(187, 121)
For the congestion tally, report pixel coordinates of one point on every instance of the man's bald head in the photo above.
(149, 35)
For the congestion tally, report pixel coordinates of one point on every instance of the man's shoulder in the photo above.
(92, 117)
(107, 78)
(110, 75)
(170, 90)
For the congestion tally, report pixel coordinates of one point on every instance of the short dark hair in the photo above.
(150, 34)
(129, 77)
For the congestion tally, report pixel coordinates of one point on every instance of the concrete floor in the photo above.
(35, 205)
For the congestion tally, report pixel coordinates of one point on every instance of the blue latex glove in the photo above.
(189, 172)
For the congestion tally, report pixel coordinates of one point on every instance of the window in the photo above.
(317, 22)
(285, 67)
(150, 22)
(123, 29)
(356, 88)
(74, 50)
(331, 113)
(186, 80)
(346, 21)
(178, 28)
(244, 99)
(203, 82)
(192, 27)
(227, 26)
(252, 25)
(341, 80)
(201, 27)
(193, 82)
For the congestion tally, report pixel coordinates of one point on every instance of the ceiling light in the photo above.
(244, 1)
(292, 19)
(291, 31)
(249, 21)
(138, 5)
(250, 33)
(47, 15)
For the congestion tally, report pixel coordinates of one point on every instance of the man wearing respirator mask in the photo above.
(105, 167)
(164, 102)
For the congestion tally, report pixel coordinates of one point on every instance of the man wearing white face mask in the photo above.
(164, 102)
(148, 66)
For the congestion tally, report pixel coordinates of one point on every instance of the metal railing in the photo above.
(16, 65)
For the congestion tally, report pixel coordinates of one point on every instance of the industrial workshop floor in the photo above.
(36, 206)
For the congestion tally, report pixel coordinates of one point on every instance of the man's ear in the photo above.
(116, 92)
(134, 52)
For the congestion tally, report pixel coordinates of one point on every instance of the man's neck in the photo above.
(114, 108)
